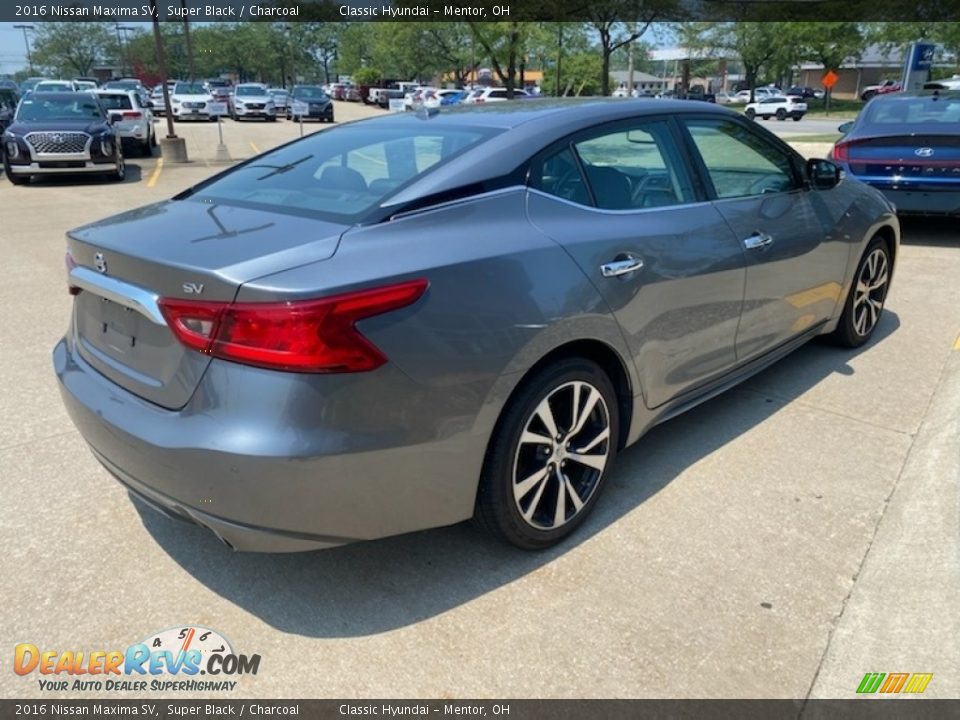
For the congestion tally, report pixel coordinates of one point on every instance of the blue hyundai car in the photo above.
(907, 146)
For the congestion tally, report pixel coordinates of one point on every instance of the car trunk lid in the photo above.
(906, 161)
(177, 249)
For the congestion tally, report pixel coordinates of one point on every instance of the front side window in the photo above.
(342, 174)
(631, 168)
(739, 162)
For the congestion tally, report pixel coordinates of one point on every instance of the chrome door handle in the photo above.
(757, 241)
(624, 264)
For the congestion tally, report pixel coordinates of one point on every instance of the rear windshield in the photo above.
(81, 107)
(54, 87)
(116, 102)
(928, 113)
(341, 174)
(122, 85)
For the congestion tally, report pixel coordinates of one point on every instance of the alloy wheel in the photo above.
(870, 292)
(563, 451)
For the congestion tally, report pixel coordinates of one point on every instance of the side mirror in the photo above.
(846, 127)
(149, 105)
(112, 119)
(823, 174)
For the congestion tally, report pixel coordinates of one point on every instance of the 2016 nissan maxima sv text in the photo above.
(404, 322)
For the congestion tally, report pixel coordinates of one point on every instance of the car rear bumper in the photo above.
(920, 202)
(288, 464)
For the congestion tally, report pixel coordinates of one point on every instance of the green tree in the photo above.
(619, 23)
(72, 48)
(504, 44)
(757, 44)
(829, 43)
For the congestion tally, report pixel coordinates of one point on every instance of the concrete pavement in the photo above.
(778, 541)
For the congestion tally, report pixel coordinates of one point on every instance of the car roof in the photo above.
(907, 96)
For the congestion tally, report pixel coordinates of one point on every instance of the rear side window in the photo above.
(739, 162)
(343, 173)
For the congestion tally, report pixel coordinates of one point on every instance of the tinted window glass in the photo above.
(919, 111)
(82, 107)
(189, 89)
(341, 174)
(559, 175)
(634, 168)
(739, 162)
(115, 102)
(250, 90)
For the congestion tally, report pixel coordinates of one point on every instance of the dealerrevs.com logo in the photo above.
(169, 661)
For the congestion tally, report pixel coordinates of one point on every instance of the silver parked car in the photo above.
(252, 100)
(412, 320)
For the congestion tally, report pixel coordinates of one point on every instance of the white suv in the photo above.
(132, 121)
(253, 100)
(494, 94)
(779, 107)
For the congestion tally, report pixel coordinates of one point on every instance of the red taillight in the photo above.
(71, 264)
(132, 115)
(841, 151)
(301, 336)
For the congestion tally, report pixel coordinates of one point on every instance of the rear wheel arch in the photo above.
(889, 237)
(603, 355)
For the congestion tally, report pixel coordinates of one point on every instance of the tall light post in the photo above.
(26, 41)
(174, 148)
(122, 44)
(186, 37)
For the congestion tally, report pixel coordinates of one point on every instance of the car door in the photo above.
(795, 264)
(622, 201)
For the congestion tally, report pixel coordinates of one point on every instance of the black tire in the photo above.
(497, 510)
(120, 173)
(751, 113)
(781, 114)
(271, 118)
(146, 147)
(852, 330)
(14, 179)
(797, 118)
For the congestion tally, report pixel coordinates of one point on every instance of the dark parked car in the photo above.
(804, 91)
(8, 106)
(412, 320)
(317, 102)
(55, 133)
(385, 96)
(906, 145)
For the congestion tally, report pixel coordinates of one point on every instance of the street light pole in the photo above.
(186, 36)
(124, 56)
(26, 41)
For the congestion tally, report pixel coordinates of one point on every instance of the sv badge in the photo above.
(191, 288)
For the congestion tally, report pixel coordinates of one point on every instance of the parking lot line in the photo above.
(155, 174)
(956, 343)
(255, 148)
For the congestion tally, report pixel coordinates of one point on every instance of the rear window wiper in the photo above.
(277, 169)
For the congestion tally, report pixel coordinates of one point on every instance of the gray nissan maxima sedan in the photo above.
(405, 322)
